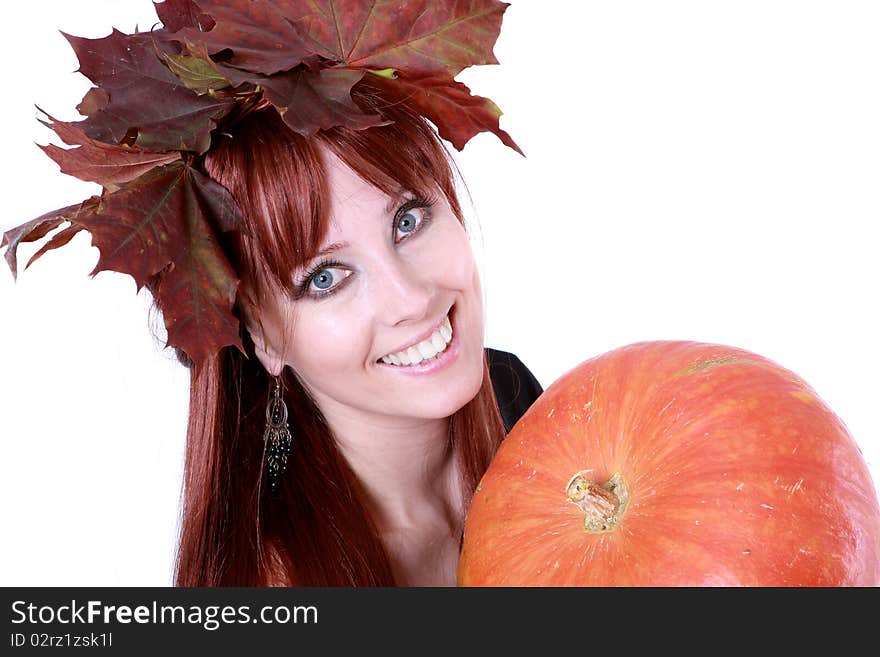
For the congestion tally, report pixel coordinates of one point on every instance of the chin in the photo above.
(470, 386)
(452, 398)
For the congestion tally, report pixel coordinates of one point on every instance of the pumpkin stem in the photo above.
(603, 505)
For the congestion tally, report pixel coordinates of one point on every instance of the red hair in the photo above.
(317, 531)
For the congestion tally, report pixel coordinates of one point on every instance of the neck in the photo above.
(407, 467)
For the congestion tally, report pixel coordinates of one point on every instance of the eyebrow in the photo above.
(336, 246)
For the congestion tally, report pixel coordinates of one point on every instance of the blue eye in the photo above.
(411, 218)
(407, 223)
(323, 280)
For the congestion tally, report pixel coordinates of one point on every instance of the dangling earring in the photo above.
(276, 438)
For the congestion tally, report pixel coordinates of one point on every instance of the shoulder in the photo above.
(514, 384)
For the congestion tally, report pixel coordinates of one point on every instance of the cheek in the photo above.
(324, 346)
(454, 260)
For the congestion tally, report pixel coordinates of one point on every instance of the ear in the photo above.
(268, 356)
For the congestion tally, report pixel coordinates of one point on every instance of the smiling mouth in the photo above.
(426, 350)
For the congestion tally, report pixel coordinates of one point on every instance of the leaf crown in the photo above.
(159, 96)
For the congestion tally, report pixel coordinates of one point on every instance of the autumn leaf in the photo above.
(309, 101)
(449, 105)
(161, 226)
(94, 100)
(167, 221)
(257, 31)
(95, 161)
(273, 45)
(197, 71)
(60, 238)
(419, 36)
(144, 95)
(177, 14)
(38, 228)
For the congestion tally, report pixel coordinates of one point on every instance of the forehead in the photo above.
(349, 192)
(354, 204)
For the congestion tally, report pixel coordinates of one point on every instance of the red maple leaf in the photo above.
(163, 225)
(419, 36)
(38, 228)
(144, 96)
(450, 106)
(309, 101)
(95, 161)
(177, 14)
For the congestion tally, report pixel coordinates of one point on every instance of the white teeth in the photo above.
(414, 355)
(424, 350)
(446, 329)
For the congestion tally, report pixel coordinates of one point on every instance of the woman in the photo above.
(388, 439)
(341, 408)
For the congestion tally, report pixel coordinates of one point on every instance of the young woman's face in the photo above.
(403, 268)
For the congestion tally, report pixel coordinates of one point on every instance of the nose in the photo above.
(404, 293)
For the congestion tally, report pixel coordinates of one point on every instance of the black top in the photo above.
(514, 385)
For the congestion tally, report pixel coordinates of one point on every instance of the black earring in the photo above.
(277, 438)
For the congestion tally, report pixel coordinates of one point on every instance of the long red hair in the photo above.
(317, 531)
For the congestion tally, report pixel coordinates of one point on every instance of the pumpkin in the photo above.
(675, 463)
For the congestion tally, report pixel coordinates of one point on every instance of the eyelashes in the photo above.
(416, 212)
(303, 289)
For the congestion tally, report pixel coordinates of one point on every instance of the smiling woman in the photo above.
(694, 170)
(403, 443)
(341, 411)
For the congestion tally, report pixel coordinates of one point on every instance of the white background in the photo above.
(697, 170)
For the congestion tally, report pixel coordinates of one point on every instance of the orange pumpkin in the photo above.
(673, 463)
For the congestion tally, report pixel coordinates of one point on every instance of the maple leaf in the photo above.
(161, 226)
(36, 229)
(95, 161)
(310, 101)
(420, 36)
(177, 14)
(449, 105)
(197, 71)
(257, 31)
(143, 94)
(94, 100)
(60, 238)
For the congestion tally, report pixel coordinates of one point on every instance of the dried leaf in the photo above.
(258, 32)
(419, 36)
(38, 228)
(197, 73)
(449, 105)
(60, 238)
(177, 14)
(94, 100)
(128, 69)
(310, 101)
(95, 161)
(165, 221)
